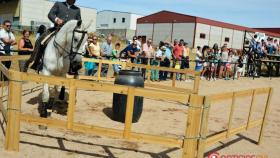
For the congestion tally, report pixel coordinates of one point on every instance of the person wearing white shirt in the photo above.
(7, 41)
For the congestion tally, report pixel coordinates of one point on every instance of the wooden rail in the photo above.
(210, 140)
(126, 65)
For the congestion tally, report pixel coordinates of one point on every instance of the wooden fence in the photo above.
(129, 65)
(193, 144)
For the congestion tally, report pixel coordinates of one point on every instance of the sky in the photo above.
(250, 13)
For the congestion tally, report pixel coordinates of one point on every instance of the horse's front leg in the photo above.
(45, 97)
(45, 101)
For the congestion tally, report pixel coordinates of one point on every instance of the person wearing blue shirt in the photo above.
(165, 62)
(131, 51)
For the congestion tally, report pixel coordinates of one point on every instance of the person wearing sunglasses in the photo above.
(93, 51)
(7, 41)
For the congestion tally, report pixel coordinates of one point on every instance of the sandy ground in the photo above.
(158, 117)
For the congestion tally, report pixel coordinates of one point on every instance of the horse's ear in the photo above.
(79, 23)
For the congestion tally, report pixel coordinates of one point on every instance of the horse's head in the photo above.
(76, 36)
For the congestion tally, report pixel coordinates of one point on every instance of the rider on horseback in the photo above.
(59, 14)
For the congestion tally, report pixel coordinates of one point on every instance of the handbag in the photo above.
(177, 65)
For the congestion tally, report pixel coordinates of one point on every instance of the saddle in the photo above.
(39, 49)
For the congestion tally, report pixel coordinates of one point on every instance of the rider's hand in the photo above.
(59, 21)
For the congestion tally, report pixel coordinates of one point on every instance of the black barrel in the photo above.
(130, 78)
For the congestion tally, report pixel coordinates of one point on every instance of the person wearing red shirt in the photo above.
(178, 50)
(178, 53)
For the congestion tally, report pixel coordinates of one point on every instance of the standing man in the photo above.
(59, 14)
(106, 53)
(7, 41)
(178, 53)
(107, 48)
(147, 54)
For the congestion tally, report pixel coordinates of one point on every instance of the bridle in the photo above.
(71, 54)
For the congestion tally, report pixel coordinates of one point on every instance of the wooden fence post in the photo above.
(251, 109)
(196, 84)
(13, 112)
(174, 79)
(204, 127)
(129, 113)
(193, 127)
(71, 104)
(99, 70)
(110, 71)
(231, 114)
(265, 115)
(148, 70)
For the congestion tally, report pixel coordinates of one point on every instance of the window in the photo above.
(202, 35)
(114, 20)
(227, 39)
(123, 20)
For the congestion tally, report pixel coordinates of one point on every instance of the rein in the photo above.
(71, 53)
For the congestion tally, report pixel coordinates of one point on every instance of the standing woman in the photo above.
(25, 48)
(224, 58)
(94, 51)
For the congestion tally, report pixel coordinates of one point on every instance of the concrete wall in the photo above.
(133, 21)
(89, 18)
(238, 39)
(202, 29)
(215, 35)
(122, 33)
(36, 11)
(184, 31)
(227, 33)
(105, 20)
(9, 10)
(162, 32)
(145, 30)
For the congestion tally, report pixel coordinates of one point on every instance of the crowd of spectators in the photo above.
(214, 62)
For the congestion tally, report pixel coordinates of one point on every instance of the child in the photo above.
(239, 66)
(228, 66)
(115, 54)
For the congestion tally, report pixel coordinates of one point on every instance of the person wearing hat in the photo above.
(156, 61)
(131, 52)
(165, 62)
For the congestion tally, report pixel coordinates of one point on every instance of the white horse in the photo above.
(63, 54)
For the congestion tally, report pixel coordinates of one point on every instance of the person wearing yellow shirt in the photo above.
(93, 51)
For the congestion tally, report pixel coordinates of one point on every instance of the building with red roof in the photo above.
(197, 31)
